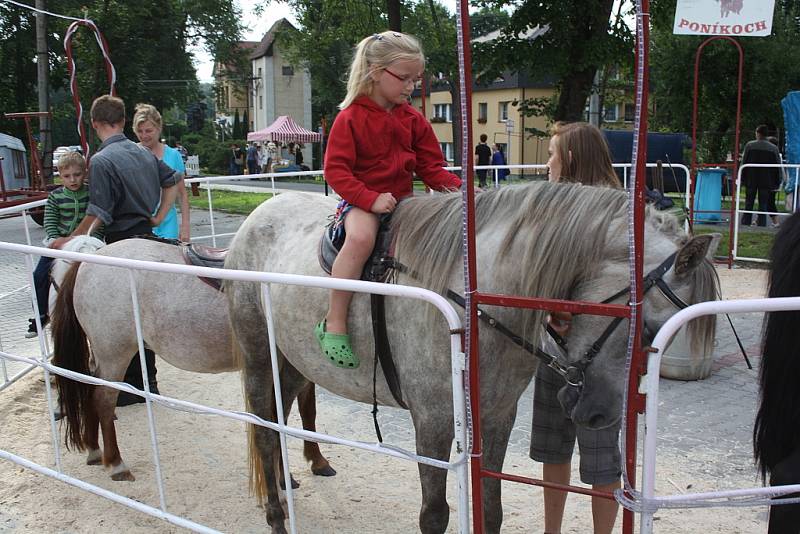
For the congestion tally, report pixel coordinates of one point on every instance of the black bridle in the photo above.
(573, 374)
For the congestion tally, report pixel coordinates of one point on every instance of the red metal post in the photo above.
(735, 151)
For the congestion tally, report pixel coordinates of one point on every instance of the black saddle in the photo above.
(379, 266)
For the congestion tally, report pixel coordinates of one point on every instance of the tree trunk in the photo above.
(577, 84)
(393, 10)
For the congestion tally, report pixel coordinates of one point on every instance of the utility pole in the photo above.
(43, 88)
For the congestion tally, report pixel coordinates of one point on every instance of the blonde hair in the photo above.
(146, 112)
(71, 159)
(377, 52)
(584, 155)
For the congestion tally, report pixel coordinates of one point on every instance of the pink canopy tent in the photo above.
(285, 129)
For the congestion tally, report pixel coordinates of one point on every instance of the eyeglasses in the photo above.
(416, 81)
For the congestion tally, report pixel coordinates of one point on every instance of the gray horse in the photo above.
(554, 241)
(184, 321)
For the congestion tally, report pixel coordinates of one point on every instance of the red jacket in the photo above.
(372, 151)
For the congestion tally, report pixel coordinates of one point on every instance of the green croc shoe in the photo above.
(336, 347)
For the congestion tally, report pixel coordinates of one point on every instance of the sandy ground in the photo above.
(205, 471)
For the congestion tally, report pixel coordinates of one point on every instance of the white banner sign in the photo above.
(742, 18)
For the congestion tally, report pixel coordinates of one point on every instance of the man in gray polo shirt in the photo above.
(126, 184)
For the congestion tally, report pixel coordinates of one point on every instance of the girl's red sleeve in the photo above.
(340, 160)
(430, 159)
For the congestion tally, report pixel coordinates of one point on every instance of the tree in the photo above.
(767, 77)
(245, 124)
(578, 37)
(148, 41)
(486, 20)
(237, 126)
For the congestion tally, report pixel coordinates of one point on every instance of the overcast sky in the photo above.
(256, 27)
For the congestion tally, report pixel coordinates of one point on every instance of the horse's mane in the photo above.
(554, 257)
(777, 427)
(428, 233)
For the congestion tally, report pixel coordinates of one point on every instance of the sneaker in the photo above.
(32, 332)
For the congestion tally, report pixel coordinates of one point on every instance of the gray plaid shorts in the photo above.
(553, 435)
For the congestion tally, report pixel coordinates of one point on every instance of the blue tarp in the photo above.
(665, 147)
(791, 122)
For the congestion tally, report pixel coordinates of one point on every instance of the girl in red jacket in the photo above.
(376, 143)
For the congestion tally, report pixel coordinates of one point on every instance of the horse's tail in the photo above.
(777, 426)
(71, 351)
(257, 481)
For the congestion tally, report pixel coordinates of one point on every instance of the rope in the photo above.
(31, 8)
(111, 73)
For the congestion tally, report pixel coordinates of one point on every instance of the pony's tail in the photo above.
(257, 482)
(71, 351)
(777, 426)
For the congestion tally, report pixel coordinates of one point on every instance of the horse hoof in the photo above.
(95, 457)
(120, 472)
(325, 471)
(124, 476)
(295, 484)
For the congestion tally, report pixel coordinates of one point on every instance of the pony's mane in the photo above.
(777, 427)
(556, 257)
(428, 233)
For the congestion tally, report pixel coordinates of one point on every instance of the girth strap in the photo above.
(383, 353)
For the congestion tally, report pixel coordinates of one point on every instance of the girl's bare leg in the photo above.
(361, 228)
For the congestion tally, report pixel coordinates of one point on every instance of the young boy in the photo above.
(66, 207)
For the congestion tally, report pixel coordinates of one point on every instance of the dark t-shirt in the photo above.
(125, 181)
(484, 154)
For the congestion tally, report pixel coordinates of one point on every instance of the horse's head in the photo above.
(688, 278)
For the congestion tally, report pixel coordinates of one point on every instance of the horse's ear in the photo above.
(694, 251)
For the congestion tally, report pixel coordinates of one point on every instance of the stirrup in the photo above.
(336, 347)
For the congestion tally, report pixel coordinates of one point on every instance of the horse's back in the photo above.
(183, 319)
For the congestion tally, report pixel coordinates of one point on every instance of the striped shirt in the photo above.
(64, 211)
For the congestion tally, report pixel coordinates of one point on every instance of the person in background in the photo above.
(66, 207)
(272, 155)
(376, 124)
(252, 159)
(298, 157)
(499, 158)
(147, 127)
(759, 181)
(126, 184)
(182, 150)
(236, 161)
(484, 154)
(579, 154)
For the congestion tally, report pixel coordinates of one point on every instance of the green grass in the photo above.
(751, 244)
(229, 201)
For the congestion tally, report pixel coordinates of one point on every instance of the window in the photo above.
(287, 70)
(447, 151)
(443, 113)
(630, 112)
(259, 73)
(483, 111)
(610, 113)
(19, 165)
(503, 112)
(260, 101)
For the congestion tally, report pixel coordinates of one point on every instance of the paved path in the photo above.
(705, 427)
